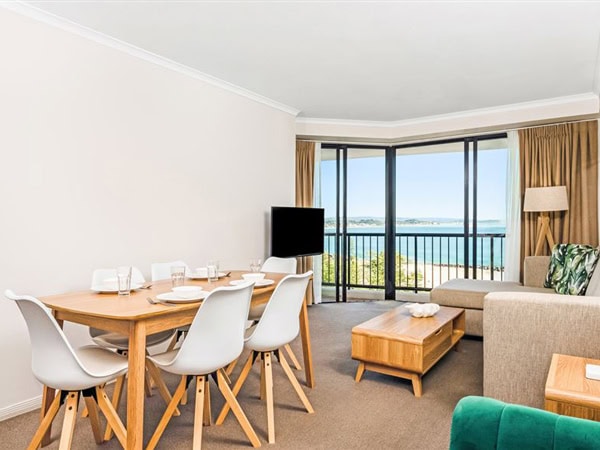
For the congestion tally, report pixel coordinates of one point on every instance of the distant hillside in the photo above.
(356, 222)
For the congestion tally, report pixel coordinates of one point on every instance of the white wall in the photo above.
(107, 159)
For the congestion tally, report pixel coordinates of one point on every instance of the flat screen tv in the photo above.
(297, 231)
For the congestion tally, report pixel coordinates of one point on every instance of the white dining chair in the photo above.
(73, 373)
(162, 271)
(279, 265)
(278, 326)
(120, 343)
(215, 338)
(99, 275)
(276, 265)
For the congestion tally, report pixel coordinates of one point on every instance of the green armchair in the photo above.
(481, 423)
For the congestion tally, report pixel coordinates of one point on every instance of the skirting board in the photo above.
(20, 408)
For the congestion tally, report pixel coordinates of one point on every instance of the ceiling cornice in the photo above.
(485, 119)
(103, 39)
(524, 106)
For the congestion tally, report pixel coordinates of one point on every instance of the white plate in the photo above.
(197, 276)
(110, 288)
(259, 283)
(172, 298)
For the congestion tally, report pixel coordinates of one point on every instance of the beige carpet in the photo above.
(380, 412)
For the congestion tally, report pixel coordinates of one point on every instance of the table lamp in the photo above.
(544, 200)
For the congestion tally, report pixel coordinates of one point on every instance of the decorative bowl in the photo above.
(423, 309)
(254, 276)
(187, 292)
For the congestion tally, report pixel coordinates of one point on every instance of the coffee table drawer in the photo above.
(436, 345)
(388, 352)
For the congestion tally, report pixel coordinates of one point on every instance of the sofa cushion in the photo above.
(470, 293)
(571, 267)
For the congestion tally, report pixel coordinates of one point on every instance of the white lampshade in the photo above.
(551, 198)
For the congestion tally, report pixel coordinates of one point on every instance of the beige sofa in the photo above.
(469, 294)
(523, 326)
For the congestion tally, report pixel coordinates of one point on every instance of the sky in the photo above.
(427, 185)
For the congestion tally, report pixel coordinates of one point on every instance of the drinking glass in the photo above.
(255, 264)
(124, 280)
(177, 275)
(212, 270)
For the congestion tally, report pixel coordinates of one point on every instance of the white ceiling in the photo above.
(375, 61)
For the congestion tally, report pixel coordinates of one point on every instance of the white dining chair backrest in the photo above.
(279, 265)
(162, 271)
(99, 275)
(53, 361)
(216, 335)
(279, 324)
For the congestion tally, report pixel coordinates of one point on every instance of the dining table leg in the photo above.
(306, 348)
(135, 385)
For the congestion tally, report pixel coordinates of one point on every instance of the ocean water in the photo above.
(366, 242)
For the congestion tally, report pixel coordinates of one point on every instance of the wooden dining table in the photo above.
(135, 317)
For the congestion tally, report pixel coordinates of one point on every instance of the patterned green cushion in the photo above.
(571, 267)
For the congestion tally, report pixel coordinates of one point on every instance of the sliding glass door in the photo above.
(409, 217)
(430, 204)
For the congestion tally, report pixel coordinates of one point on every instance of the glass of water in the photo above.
(124, 280)
(212, 270)
(177, 275)
(255, 264)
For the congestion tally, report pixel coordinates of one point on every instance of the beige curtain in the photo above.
(562, 155)
(305, 172)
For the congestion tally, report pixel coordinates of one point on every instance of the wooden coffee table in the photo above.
(397, 344)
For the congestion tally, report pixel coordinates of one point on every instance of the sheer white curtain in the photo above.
(512, 261)
(317, 260)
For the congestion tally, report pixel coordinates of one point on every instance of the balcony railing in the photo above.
(423, 260)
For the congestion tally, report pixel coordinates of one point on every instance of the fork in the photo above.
(158, 302)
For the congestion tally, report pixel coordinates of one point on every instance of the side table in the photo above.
(568, 391)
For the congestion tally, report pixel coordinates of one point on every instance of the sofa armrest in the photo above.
(535, 269)
(522, 331)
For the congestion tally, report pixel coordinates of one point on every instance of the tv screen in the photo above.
(297, 231)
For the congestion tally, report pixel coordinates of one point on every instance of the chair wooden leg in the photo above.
(116, 400)
(231, 366)
(147, 386)
(160, 428)
(85, 412)
(66, 435)
(199, 412)
(184, 398)
(45, 423)
(237, 410)
(292, 356)
(173, 342)
(207, 417)
(92, 408)
(268, 364)
(288, 371)
(262, 376)
(237, 387)
(111, 416)
(154, 373)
